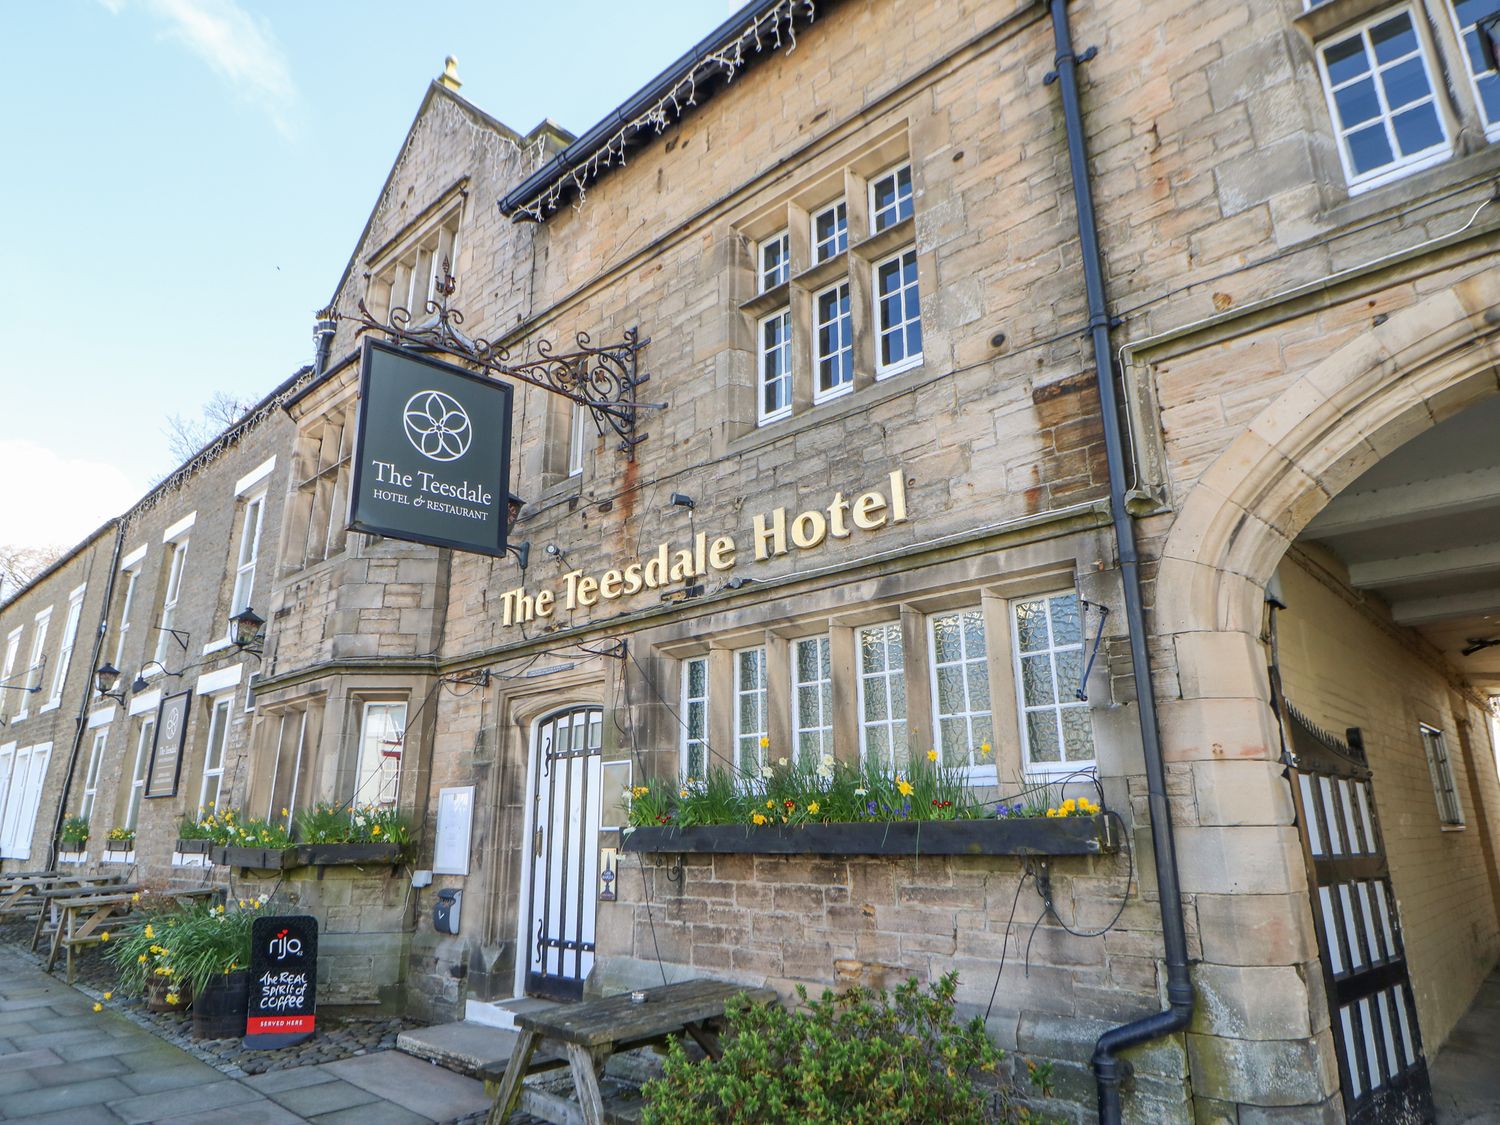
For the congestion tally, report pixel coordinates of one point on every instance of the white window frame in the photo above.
(65, 652)
(762, 357)
(1462, 31)
(12, 651)
(219, 721)
(1029, 764)
(821, 689)
(745, 738)
(694, 705)
(892, 723)
(908, 200)
(131, 576)
(836, 243)
(576, 439)
(20, 797)
(906, 363)
(143, 739)
(38, 660)
(1401, 166)
(1450, 806)
(170, 595)
(820, 357)
(91, 773)
(242, 596)
(768, 278)
(375, 757)
(975, 720)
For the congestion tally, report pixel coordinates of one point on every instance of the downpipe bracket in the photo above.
(1052, 75)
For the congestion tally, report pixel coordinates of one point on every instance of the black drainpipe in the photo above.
(1109, 1069)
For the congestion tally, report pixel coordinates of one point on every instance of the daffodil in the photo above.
(932, 755)
(757, 819)
(104, 936)
(984, 748)
(98, 1007)
(764, 742)
(812, 808)
(904, 787)
(109, 995)
(171, 998)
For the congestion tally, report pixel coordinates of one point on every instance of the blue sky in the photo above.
(184, 180)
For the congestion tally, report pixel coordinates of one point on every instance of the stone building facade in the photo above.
(879, 466)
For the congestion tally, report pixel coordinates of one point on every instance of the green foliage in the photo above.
(326, 823)
(121, 836)
(864, 1057)
(257, 833)
(184, 945)
(75, 830)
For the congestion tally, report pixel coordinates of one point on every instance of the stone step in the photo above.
(468, 1048)
(502, 1013)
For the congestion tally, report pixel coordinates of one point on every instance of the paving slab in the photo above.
(293, 1079)
(247, 1113)
(78, 1115)
(418, 1086)
(105, 1066)
(52, 1099)
(26, 1060)
(209, 1099)
(325, 1097)
(465, 1047)
(188, 1073)
(377, 1113)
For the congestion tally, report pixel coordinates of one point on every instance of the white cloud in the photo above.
(54, 501)
(240, 48)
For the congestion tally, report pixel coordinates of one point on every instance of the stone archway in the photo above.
(1261, 1036)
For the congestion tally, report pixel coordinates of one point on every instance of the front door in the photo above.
(1375, 1033)
(565, 808)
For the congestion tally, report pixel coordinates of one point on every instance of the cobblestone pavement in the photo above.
(61, 1061)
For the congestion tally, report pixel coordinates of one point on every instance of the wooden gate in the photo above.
(566, 803)
(1375, 1033)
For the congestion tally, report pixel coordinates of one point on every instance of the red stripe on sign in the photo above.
(270, 1025)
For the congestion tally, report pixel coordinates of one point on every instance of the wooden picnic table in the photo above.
(84, 916)
(591, 1031)
(47, 916)
(23, 894)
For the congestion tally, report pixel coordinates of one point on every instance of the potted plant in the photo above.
(195, 836)
(253, 843)
(119, 844)
(73, 838)
(200, 951)
(339, 834)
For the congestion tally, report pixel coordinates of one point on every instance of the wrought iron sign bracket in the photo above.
(604, 378)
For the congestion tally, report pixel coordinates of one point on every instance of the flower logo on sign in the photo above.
(437, 426)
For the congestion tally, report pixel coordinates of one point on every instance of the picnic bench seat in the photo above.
(591, 1031)
(85, 916)
(22, 894)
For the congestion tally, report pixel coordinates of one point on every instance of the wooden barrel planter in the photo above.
(219, 1009)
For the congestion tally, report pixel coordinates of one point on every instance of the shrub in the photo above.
(865, 1056)
(75, 831)
(185, 946)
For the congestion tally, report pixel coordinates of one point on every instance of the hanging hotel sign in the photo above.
(431, 452)
(772, 534)
(166, 750)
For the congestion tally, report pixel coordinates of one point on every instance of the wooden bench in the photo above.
(47, 899)
(591, 1031)
(23, 895)
(83, 923)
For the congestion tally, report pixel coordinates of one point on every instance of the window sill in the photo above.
(898, 368)
(50, 705)
(829, 269)
(882, 243)
(1454, 827)
(1402, 171)
(768, 301)
(216, 646)
(1073, 835)
(786, 425)
(1396, 196)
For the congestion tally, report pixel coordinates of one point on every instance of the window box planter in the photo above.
(189, 847)
(261, 859)
(1073, 835)
(309, 855)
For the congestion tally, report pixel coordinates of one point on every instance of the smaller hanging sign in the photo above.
(283, 981)
(166, 752)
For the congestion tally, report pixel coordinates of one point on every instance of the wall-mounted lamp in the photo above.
(680, 501)
(247, 632)
(106, 676)
(513, 506)
(557, 553)
(140, 683)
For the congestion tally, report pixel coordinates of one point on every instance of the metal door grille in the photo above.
(1376, 1037)
(564, 859)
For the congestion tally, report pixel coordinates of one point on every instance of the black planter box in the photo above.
(261, 859)
(1073, 835)
(309, 855)
(193, 847)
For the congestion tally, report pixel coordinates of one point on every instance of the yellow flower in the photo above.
(812, 808)
(1051, 812)
(932, 755)
(171, 998)
(150, 933)
(285, 813)
(683, 793)
(757, 819)
(109, 995)
(984, 748)
(98, 1007)
(136, 897)
(903, 787)
(104, 936)
(764, 742)
(375, 831)
(141, 959)
(770, 804)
